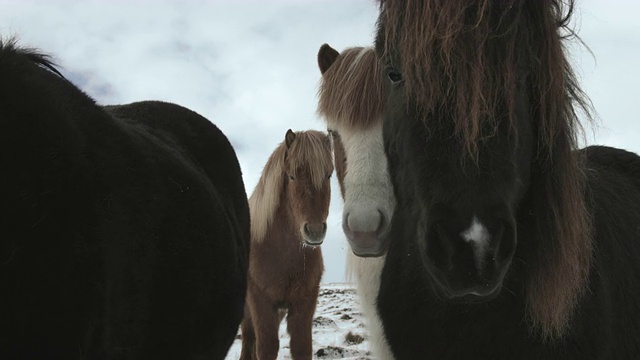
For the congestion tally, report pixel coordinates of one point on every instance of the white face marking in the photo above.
(367, 185)
(479, 237)
(368, 189)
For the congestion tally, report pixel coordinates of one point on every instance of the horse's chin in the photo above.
(471, 296)
(367, 244)
(476, 294)
(369, 253)
(311, 240)
(312, 243)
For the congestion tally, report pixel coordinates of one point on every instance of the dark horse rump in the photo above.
(124, 230)
(610, 312)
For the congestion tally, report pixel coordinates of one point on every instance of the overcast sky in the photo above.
(250, 66)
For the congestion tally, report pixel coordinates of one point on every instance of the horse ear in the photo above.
(326, 57)
(289, 138)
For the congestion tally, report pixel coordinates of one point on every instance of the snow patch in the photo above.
(338, 328)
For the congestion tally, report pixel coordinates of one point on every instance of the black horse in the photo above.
(124, 230)
(508, 243)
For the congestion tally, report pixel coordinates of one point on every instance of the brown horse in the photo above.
(288, 208)
(351, 100)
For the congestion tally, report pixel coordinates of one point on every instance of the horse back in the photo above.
(611, 304)
(124, 231)
(205, 206)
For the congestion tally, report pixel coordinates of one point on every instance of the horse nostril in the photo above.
(505, 242)
(382, 224)
(315, 229)
(440, 246)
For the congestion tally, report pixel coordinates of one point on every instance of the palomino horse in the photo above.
(124, 230)
(351, 99)
(507, 242)
(289, 207)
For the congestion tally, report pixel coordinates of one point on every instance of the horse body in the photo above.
(290, 206)
(351, 102)
(508, 243)
(288, 282)
(117, 224)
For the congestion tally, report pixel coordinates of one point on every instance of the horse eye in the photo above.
(394, 75)
(291, 177)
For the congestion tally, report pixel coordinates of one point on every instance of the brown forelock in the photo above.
(468, 54)
(311, 150)
(351, 90)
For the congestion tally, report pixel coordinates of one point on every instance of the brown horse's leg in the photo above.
(299, 325)
(265, 322)
(248, 336)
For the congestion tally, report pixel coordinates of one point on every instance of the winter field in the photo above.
(338, 327)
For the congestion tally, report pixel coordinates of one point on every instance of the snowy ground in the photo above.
(338, 327)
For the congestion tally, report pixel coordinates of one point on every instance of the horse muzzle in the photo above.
(366, 232)
(313, 234)
(469, 262)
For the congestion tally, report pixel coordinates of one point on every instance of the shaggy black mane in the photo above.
(10, 48)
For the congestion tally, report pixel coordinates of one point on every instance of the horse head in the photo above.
(479, 130)
(307, 172)
(351, 101)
